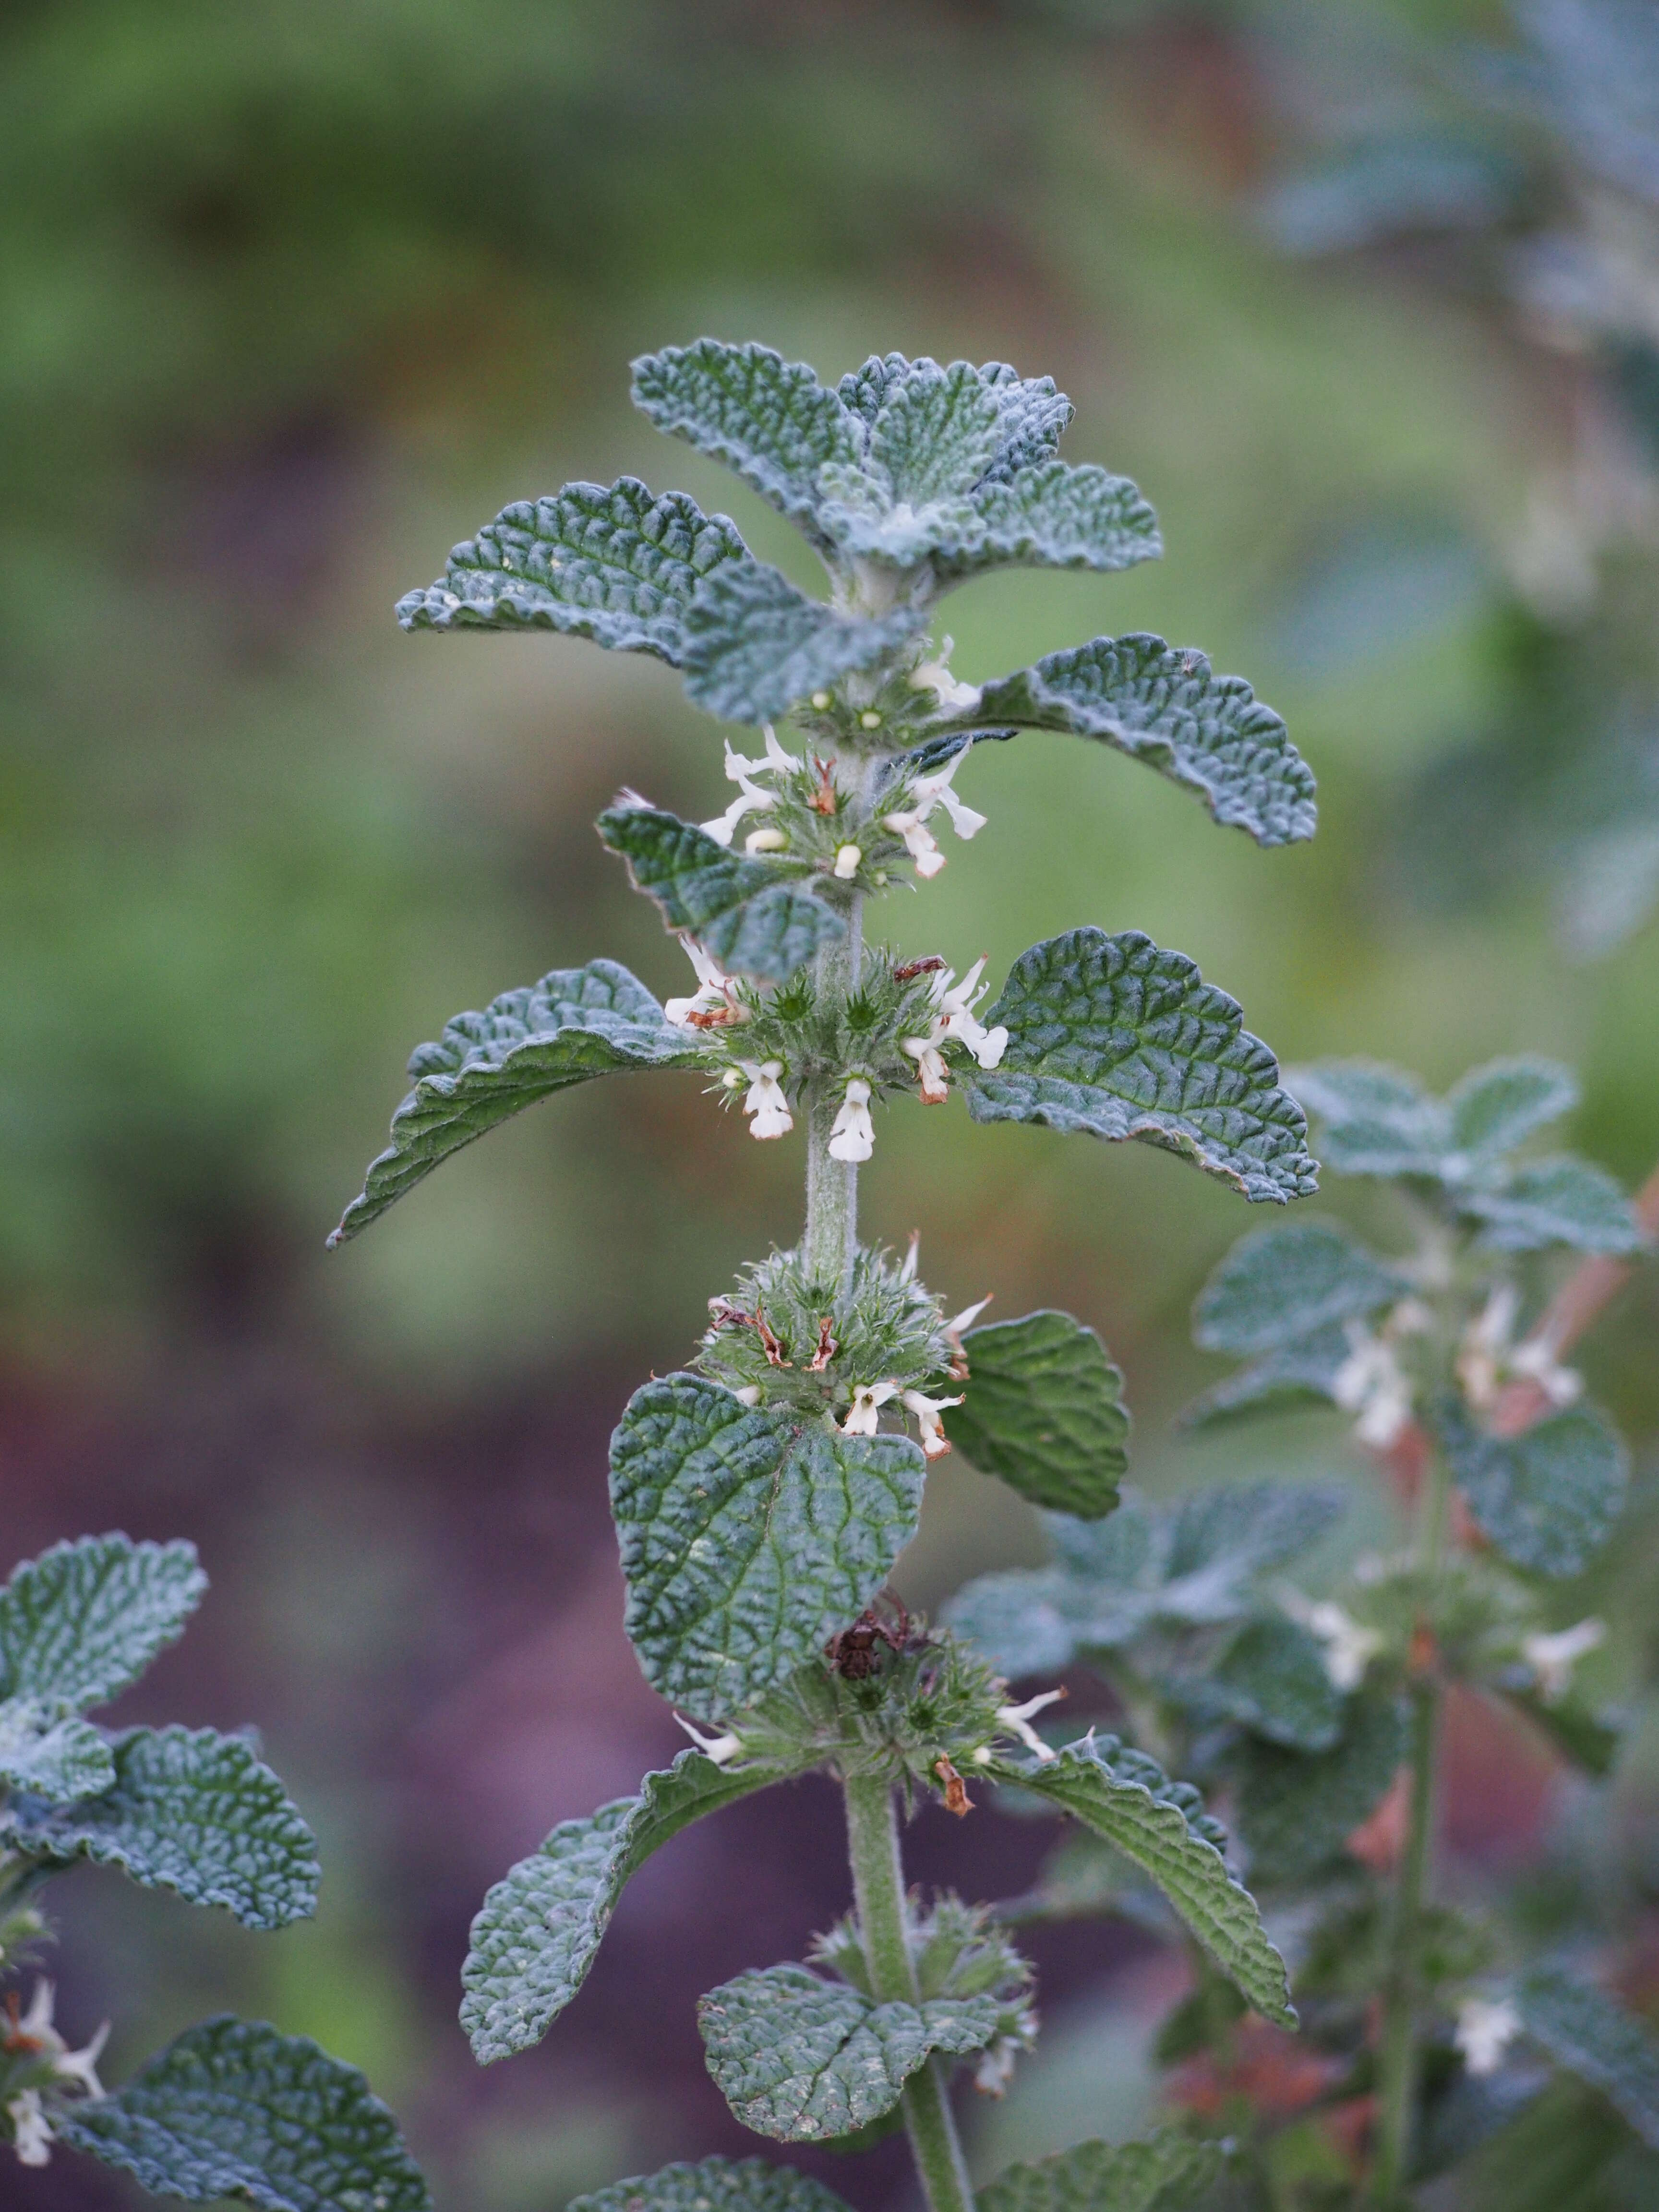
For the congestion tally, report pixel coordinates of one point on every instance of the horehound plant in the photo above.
(1440, 2042)
(763, 1495)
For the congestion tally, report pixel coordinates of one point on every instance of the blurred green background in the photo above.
(296, 295)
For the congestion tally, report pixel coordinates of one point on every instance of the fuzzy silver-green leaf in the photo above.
(1294, 1811)
(232, 2109)
(1043, 1409)
(536, 1933)
(575, 1024)
(744, 912)
(1271, 1679)
(1114, 1037)
(188, 1810)
(748, 1538)
(1548, 1498)
(803, 2058)
(715, 2185)
(51, 1755)
(1564, 1201)
(1165, 2173)
(755, 645)
(1280, 1283)
(617, 565)
(1593, 2036)
(84, 1619)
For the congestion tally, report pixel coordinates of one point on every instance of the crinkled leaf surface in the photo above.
(1557, 1201)
(189, 1810)
(1548, 1498)
(1295, 1811)
(1305, 1368)
(1281, 1284)
(1052, 516)
(1271, 1678)
(1495, 1108)
(1043, 1409)
(769, 419)
(1165, 706)
(1377, 1120)
(746, 1540)
(717, 2184)
(804, 2058)
(744, 911)
(1154, 1828)
(576, 1022)
(233, 2109)
(755, 644)
(536, 1933)
(1165, 2173)
(51, 1757)
(85, 1619)
(617, 565)
(1594, 2037)
(1110, 1036)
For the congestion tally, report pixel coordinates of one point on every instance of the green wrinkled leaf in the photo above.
(84, 1619)
(1115, 1794)
(1306, 1368)
(187, 1810)
(1271, 1678)
(806, 2059)
(747, 1541)
(716, 2185)
(1495, 1108)
(1111, 1036)
(1279, 1285)
(744, 911)
(1165, 2173)
(1294, 1811)
(1222, 1535)
(1044, 1409)
(575, 1024)
(1557, 1201)
(1054, 516)
(57, 1758)
(1594, 2037)
(617, 566)
(231, 2108)
(537, 1931)
(1549, 1498)
(769, 419)
(755, 645)
(1377, 1120)
(1164, 705)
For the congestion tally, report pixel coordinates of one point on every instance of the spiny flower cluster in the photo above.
(36, 2065)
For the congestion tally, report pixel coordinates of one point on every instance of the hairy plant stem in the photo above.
(1398, 2055)
(872, 1843)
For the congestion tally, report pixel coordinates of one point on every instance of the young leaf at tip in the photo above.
(575, 1024)
(1043, 1409)
(1111, 1036)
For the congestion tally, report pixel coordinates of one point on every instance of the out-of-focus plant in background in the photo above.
(287, 289)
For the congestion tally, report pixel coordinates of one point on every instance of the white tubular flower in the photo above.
(867, 1400)
(749, 1394)
(31, 2136)
(954, 696)
(853, 1134)
(956, 1003)
(1349, 1649)
(719, 1748)
(775, 757)
(934, 1442)
(765, 841)
(919, 842)
(1017, 1719)
(1552, 1658)
(847, 861)
(1371, 1383)
(931, 791)
(968, 1317)
(1485, 2032)
(931, 1070)
(908, 1272)
(1481, 1356)
(1538, 1363)
(766, 1100)
(750, 798)
(995, 2069)
(715, 994)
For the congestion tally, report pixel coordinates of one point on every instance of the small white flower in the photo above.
(853, 1134)
(956, 1003)
(931, 791)
(751, 798)
(1485, 2032)
(1017, 1719)
(919, 842)
(1371, 1383)
(968, 1317)
(954, 696)
(766, 1100)
(749, 1395)
(31, 2136)
(867, 1400)
(719, 1748)
(765, 841)
(1538, 1363)
(928, 1411)
(847, 861)
(774, 758)
(931, 1070)
(1553, 1657)
(995, 2069)
(1349, 1649)
(716, 993)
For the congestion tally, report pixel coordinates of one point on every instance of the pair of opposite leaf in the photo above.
(230, 2108)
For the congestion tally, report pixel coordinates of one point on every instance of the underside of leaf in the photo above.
(747, 915)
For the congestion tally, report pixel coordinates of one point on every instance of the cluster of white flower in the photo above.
(31, 2035)
(1489, 1357)
(1370, 1382)
(910, 823)
(1485, 2032)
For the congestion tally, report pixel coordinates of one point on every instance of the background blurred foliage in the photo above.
(292, 296)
